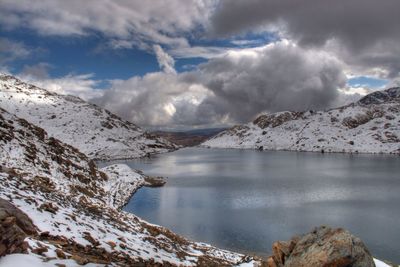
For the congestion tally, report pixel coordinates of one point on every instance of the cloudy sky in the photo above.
(174, 64)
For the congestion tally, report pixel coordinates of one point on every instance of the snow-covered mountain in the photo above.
(58, 209)
(93, 130)
(371, 125)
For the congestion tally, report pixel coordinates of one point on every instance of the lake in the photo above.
(244, 200)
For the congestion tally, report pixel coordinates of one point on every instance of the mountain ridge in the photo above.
(370, 125)
(95, 131)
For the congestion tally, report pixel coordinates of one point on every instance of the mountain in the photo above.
(57, 208)
(94, 131)
(189, 138)
(371, 125)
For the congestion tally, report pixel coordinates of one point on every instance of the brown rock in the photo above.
(88, 237)
(112, 244)
(80, 260)
(15, 226)
(322, 247)
(60, 254)
(40, 250)
(50, 207)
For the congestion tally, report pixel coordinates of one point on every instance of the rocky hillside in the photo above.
(59, 209)
(371, 125)
(93, 130)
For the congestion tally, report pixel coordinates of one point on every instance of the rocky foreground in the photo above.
(371, 125)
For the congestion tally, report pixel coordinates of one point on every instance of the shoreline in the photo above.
(301, 151)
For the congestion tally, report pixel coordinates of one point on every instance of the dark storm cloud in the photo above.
(357, 22)
(364, 33)
(277, 77)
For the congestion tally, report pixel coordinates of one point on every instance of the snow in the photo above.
(122, 183)
(93, 130)
(379, 263)
(14, 260)
(37, 170)
(29, 260)
(378, 131)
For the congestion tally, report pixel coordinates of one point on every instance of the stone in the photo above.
(40, 250)
(60, 254)
(15, 226)
(49, 207)
(322, 247)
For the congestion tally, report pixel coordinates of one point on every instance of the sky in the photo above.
(203, 63)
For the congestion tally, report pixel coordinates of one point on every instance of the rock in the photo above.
(154, 181)
(60, 254)
(80, 260)
(322, 247)
(379, 97)
(274, 120)
(88, 237)
(15, 226)
(49, 207)
(40, 250)
(112, 244)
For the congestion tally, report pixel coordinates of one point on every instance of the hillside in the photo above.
(371, 125)
(93, 130)
(59, 209)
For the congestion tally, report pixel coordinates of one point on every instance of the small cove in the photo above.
(244, 200)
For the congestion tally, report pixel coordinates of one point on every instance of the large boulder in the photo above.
(323, 247)
(15, 226)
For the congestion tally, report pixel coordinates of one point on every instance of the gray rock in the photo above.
(322, 247)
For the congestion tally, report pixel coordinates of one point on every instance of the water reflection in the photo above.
(245, 200)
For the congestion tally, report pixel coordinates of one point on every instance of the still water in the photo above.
(244, 200)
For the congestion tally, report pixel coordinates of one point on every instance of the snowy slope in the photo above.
(74, 206)
(371, 125)
(94, 131)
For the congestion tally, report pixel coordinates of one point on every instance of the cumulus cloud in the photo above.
(276, 77)
(232, 88)
(155, 99)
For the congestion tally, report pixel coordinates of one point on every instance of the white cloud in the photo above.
(126, 22)
(165, 61)
(82, 85)
(153, 100)
(11, 50)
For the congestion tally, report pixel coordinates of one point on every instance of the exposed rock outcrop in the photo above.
(322, 247)
(14, 227)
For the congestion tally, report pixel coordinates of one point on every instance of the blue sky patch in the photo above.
(365, 81)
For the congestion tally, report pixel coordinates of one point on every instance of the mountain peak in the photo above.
(380, 97)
